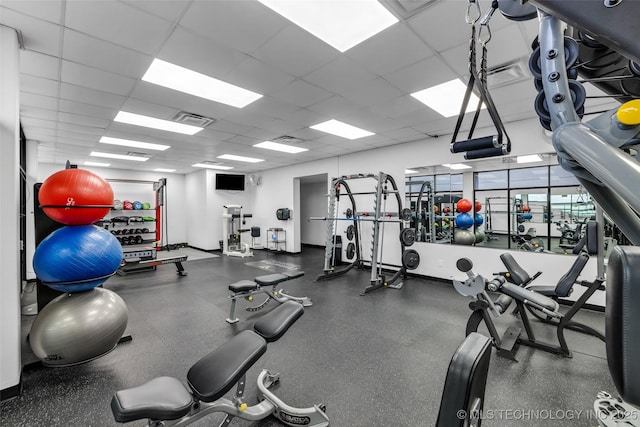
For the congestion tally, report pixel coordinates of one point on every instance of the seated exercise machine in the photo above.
(248, 288)
(165, 401)
(622, 326)
(517, 275)
(483, 306)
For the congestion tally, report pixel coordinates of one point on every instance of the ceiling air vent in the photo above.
(192, 119)
(285, 139)
(138, 154)
(407, 8)
(508, 73)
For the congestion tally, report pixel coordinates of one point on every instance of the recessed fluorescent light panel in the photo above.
(209, 166)
(118, 156)
(163, 170)
(185, 80)
(341, 24)
(446, 98)
(456, 166)
(136, 144)
(152, 122)
(240, 158)
(344, 130)
(409, 171)
(269, 145)
(98, 164)
(529, 159)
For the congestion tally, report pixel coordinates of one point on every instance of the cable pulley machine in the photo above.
(488, 146)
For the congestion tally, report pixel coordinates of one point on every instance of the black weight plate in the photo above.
(538, 84)
(350, 231)
(578, 94)
(540, 105)
(349, 213)
(410, 259)
(406, 214)
(546, 124)
(351, 250)
(408, 236)
(570, 57)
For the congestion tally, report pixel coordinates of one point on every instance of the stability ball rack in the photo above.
(378, 217)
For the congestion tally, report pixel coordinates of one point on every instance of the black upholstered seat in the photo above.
(466, 381)
(519, 276)
(162, 398)
(243, 286)
(293, 274)
(623, 321)
(270, 279)
(217, 372)
(274, 324)
(525, 295)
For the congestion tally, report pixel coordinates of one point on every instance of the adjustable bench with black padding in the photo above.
(248, 288)
(166, 401)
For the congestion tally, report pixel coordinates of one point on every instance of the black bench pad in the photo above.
(547, 290)
(162, 398)
(217, 372)
(270, 279)
(293, 274)
(274, 324)
(523, 294)
(243, 286)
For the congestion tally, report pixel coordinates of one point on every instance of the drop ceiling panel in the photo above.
(38, 123)
(388, 51)
(94, 78)
(443, 25)
(374, 92)
(39, 65)
(179, 101)
(38, 85)
(421, 75)
(88, 130)
(403, 134)
(97, 53)
(80, 108)
(397, 107)
(49, 10)
(38, 35)
(38, 113)
(197, 53)
(243, 25)
(166, 9)
(302, 94)
(333, 108)
(260, 77)
(83, 120)
(91, 96)
(34, 100)
(341, 75)
(296, 52)
(118, 23)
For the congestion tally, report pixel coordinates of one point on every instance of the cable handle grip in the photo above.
(487, 152)
(493, 141)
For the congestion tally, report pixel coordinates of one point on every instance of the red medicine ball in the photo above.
(63, 195)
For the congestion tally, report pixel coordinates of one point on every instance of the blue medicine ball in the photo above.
(478, 219)
(77, 258)
(464, 221)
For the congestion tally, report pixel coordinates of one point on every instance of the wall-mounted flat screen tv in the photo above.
(229, 182)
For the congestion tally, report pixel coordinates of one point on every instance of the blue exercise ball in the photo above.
(464, 221)
(478, 219)
(77, 258)
(78, 327)
(527, 216)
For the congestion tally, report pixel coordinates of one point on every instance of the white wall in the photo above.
(10, 286)
(313, 202)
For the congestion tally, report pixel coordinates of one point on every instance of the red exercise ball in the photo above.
(478, 206)
(75, 188)
(526, 208)
(463, 205)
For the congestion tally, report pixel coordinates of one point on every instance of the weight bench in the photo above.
(165, 401)
(248, 288)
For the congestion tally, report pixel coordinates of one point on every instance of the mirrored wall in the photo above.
(541, 208)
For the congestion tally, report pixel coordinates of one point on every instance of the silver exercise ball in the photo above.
(480, 236)
(464, 237)
(78, 327)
